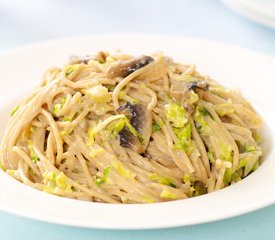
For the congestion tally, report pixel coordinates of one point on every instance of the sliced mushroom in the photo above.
(197, 85)
(141, 119)
(200, 188)
(125, 68)
(128, 140)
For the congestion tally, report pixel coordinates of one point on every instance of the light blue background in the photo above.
(29, 21)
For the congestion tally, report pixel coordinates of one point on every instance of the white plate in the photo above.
(261, 11)
(252, 72)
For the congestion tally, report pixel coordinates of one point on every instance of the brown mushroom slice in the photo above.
(141, 119)
(200, 84)
(188, 86)
(128, 140)
(125, 68)
(200, 188)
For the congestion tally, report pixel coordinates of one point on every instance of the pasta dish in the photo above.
(117, 128)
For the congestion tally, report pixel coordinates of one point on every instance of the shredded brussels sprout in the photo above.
(98, 94)
(184, 138)
(168, 194)
(34, 158)
(14, 110)
(163, 180)
(175, 114)
(104, 177)
(55, 182)
(114, 129)
(69, 69)
(155, 127)
(223, 109)
(122, 170)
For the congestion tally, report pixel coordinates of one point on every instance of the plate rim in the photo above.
(250, 13)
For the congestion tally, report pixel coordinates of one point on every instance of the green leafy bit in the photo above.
(175, 114)
(246, 148)
(122, 170)
(61, 181)
(148, 200)
(188, 178)
(118, 166)
(211, 157)
(98, 94)
(63, 100)
(227, 176)
(34, 158)
(66, 133)
(223, 109)
(250, 149)
(91, 137)
(184, 133)
(163, 180)
(13, 173)
(32, 129)
(2, 166)
(236, 177)
(258, 138)
(249, 161)
(116, 127)
(95, 152)
(201, 125)
(184, 138)
(256, 165)
(192, 97)
(203, 111)
(155, 127)
(101, 108)
(223, 149)
(186, 146)
(104, 177)
(69, 69)
(200, 116)
(55, 182)
(133, 130)
(66, 119)
(14, 111)
(226, 150)
(168, 194)
(58, 106)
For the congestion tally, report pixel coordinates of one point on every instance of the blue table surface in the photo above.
(26, 22)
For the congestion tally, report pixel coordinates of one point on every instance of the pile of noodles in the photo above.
(121, 129)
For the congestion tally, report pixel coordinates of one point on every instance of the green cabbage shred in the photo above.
(155, 127)
(175, 114)
(104, 177)
(163, 180)
(55, 182)
(14, 111)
